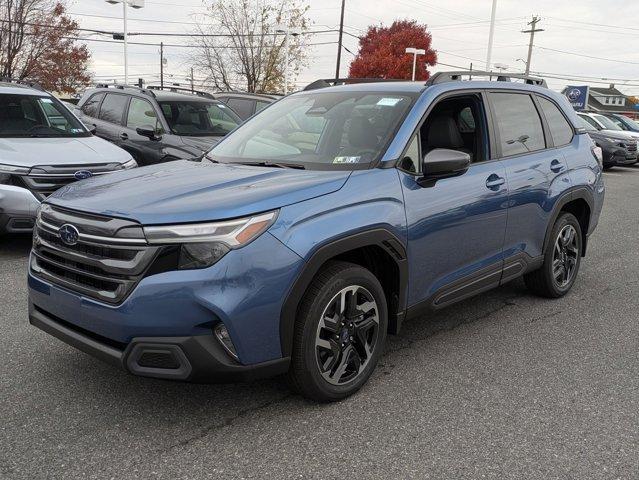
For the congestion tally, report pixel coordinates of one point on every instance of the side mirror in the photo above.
(148, 132)
(92, 129)
(443, 163)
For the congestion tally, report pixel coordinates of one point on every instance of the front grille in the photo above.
(109, 259)
(632, 147)
(42, 181)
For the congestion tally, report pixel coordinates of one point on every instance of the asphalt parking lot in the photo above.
(506, 385)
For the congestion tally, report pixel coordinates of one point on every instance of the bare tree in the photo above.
(37, 43)
(242, 44)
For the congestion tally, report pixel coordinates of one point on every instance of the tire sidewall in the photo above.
(564, 220)
(349, 277)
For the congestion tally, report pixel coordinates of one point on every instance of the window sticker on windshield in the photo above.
(222, 106)
(47, 100)
(76, 130)
(388, 102)
(346, 159)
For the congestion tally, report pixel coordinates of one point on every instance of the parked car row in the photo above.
(617, 136)
(47, 144)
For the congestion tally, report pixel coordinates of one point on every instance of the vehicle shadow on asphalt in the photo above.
(15, 244)
(85, 382)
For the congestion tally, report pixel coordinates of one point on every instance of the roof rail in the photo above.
(121, 86)
(25, 83)
(331, 82)
(442, 77)
(177, 89)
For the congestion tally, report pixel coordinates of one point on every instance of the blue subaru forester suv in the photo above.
(316, 228)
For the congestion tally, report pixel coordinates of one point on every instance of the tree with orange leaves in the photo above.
(37, 43)
(382, 52)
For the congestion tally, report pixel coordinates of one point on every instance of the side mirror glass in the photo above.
(444, 163)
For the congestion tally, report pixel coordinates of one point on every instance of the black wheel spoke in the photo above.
(565, 256)
(346, 335)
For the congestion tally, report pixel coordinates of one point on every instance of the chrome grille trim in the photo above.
(105, 268)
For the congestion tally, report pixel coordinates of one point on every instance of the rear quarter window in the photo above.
(560, 129)
(90, 107)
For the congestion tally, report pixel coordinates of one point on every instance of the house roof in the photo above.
(597, 105)
(610, 91)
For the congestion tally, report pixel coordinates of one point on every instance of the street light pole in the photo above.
(415, 52)
(125, 4)
(491, 35)
(126, 44)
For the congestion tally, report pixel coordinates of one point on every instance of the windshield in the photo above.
(199, 119)
(37, 116)
(607, 123)
(585, 125)
(321, 130)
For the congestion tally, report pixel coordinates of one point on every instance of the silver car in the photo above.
(43, 147)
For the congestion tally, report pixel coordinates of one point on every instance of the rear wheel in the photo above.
(340, 333)
(561, 261)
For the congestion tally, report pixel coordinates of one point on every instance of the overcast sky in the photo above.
(588, 41)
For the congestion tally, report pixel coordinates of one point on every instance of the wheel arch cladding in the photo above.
(579, 202)
(378, 250)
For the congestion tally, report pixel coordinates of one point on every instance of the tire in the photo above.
(327, 335)
(561, 264)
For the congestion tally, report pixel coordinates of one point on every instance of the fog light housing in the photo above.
(222, 335)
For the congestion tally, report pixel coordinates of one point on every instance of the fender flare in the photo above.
(571, 195)
(380, 237)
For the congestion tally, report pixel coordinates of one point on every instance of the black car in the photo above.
(246, 104)
(156, 125)
(618, 150)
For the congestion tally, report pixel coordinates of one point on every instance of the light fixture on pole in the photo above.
(133, 4)
(415, 52)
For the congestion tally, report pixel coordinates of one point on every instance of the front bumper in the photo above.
(18, 208)
(193, 358)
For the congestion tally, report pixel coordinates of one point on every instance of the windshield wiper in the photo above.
(297, 166)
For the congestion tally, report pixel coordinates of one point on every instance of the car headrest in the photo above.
(361, 133)
(444, 133)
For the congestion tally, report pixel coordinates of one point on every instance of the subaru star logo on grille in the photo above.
(82, 174)
(69, 234)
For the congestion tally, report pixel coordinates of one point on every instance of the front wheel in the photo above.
(561, 261)
(339, 334)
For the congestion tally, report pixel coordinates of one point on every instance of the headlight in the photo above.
(13, 170)
(203, 244)
(129, 164)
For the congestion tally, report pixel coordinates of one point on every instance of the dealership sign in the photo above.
(577, 96)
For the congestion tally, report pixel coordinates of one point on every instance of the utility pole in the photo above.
(161, 64)
(192, 82)
(532, 30)
(491, 35)
(339, 42)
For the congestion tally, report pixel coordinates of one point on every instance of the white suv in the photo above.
(43, 147)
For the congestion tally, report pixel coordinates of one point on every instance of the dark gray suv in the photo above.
(156, 125)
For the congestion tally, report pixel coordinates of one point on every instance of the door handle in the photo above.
(495, 181)
(556, 166)
(124, 136)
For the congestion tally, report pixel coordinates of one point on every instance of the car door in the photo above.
(456, 225)
(110, 119)
(536, 172)
(145, 150)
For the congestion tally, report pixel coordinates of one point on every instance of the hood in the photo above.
(184, 191)
(202, 143)
(613, 134)
(29, 152)
(620, 134)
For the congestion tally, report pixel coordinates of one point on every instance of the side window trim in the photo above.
(498, 149)
(572, 127)
(549, 140)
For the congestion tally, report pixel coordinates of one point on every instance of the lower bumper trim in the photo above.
(199, 358)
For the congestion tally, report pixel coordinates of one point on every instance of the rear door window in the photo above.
(519, 124)
(244, 108)
(113, 107)
(560, 129)
(90, 107)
